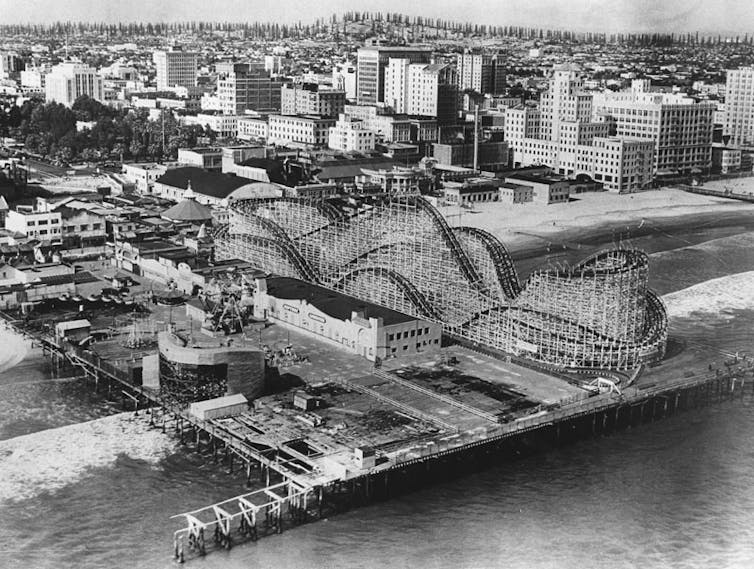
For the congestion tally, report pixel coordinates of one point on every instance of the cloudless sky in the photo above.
(736, 16)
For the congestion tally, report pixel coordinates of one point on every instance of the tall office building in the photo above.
(563, 135)
(311, 99)
(175, 67)
(420, 89)
(69, 81)
(371, 64)
(680, 127)
(10, 64)
(483, 73)
(247, 86)
(565, 100)
(344, 78)
(739, 106)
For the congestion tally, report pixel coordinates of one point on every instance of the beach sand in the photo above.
(527, 229)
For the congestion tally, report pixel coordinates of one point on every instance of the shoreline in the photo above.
(531, 244)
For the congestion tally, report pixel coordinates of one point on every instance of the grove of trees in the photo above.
(49, 130)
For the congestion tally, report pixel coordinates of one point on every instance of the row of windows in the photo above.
(407, 334)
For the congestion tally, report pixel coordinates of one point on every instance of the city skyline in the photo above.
(721, 16)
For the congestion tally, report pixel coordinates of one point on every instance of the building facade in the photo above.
(739, 106)
(372, 62)
(175, 67)
(311, 99)
(247, 86)
(680, 127)
(483, 73)
(350, 135)
(69, 81)
(313, 131)
(419, 89)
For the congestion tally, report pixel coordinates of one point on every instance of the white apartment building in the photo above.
(175, 67)
(312, 131)
(244, 86)
(576, 133)
(371, 66)
(520, 123)
(35, 78)
(565, 100)
(421, 89)
(739, 106)
(311, 99)
(144, 175)
(253, 128)
(483, 73)
(225, 126)
(35, 222)
(679, 126)
(344, 78)
(350, 135)
(69, 81)
(390, 128)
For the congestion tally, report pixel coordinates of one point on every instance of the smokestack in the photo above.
(476, 138)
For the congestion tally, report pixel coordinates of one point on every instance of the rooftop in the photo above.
(211, 184)
(335, 304)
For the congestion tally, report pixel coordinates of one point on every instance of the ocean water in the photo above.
(83, 486)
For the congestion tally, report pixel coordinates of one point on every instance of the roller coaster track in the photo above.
(288, 251)
(465, 264)
(287, 246)
(503, 262)
(633, 260)
(413, 294)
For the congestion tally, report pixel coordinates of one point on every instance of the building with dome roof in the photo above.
(188, 210)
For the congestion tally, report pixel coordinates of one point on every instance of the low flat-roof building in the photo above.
(360, 327)
(206, 158)
(546, 189)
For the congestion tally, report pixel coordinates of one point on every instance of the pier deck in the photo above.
(418, 413)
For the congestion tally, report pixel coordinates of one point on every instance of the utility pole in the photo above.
(476, 138)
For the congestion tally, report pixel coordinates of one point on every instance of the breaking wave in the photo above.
(717, 296)
(46, 461)
(13, 348)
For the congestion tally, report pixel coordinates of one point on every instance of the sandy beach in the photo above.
(529, 228)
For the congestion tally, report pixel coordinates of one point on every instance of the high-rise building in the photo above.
(344, 78)
(420, 89)
(679, 126)
(739, 106)
(10, 63)
(483, 73)
(247, 86)
(69, 81)
(311, 99)
(563, 135)
(372, 61)
(565, 100)
(175, 67)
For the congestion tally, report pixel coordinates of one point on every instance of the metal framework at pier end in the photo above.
(401, 253)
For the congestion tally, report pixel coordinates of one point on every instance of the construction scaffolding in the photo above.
(401, 253)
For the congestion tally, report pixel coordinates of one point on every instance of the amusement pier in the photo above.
(342, 356)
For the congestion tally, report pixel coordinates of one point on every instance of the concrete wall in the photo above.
(245, 364)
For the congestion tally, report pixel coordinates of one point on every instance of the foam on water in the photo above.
(46, 461)
(716, 296)
(13, 348)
